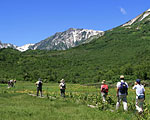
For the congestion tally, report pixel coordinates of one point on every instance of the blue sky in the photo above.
(30, 21)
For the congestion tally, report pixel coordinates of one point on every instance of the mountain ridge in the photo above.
(67, 39)
(60, 40)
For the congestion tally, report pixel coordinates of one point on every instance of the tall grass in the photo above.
(16, 104)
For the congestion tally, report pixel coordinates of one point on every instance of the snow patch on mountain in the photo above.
(24, 47)
(145, 15)
(138, 18)
(148, 10)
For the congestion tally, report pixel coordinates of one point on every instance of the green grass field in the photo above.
(16, 104)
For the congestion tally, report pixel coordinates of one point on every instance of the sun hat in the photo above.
(121, 76)
(103, 81)
(62, 80)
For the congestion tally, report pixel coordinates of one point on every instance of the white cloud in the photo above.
(123, 11)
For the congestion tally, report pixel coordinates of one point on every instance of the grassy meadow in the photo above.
(16, 104)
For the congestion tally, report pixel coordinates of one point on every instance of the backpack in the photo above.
(105, 88)
(40, 84)
(123, 88)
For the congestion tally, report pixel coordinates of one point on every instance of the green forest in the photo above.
(122, 50)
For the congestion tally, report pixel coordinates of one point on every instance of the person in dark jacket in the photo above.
(39, 87)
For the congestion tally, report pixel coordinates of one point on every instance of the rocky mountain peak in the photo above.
(67, 39)
(60, 40)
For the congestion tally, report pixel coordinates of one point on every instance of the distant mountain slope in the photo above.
(122, 50)
(22, 48)
(67, 39)
(138, 18)
(7, 45)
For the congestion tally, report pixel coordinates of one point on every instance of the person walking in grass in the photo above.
(62, 86)
(140, 95)
(39, 87)
(104, 91)
(122, 92)
(11, 83)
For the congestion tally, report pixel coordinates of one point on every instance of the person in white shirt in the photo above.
(39, 87)
(62, 86)
(122, 92)
(140, 95)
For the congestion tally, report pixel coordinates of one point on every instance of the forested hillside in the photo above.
(122, 50)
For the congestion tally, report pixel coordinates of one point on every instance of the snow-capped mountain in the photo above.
(7, 45)
(138, 18)
(61, 40)
(67, 39)
(24, 47)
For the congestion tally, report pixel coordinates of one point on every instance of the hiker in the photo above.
(140, 95)
(104, 90)
(39, 87)
(122, 92)
(62, 86)
(10, 83)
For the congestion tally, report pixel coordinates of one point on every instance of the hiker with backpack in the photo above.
(62, 86)
(104, 90)
(11, 83)
(140, 95)
(122, 92)
(39, 87)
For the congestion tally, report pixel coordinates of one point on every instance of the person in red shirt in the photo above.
(104, 90)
